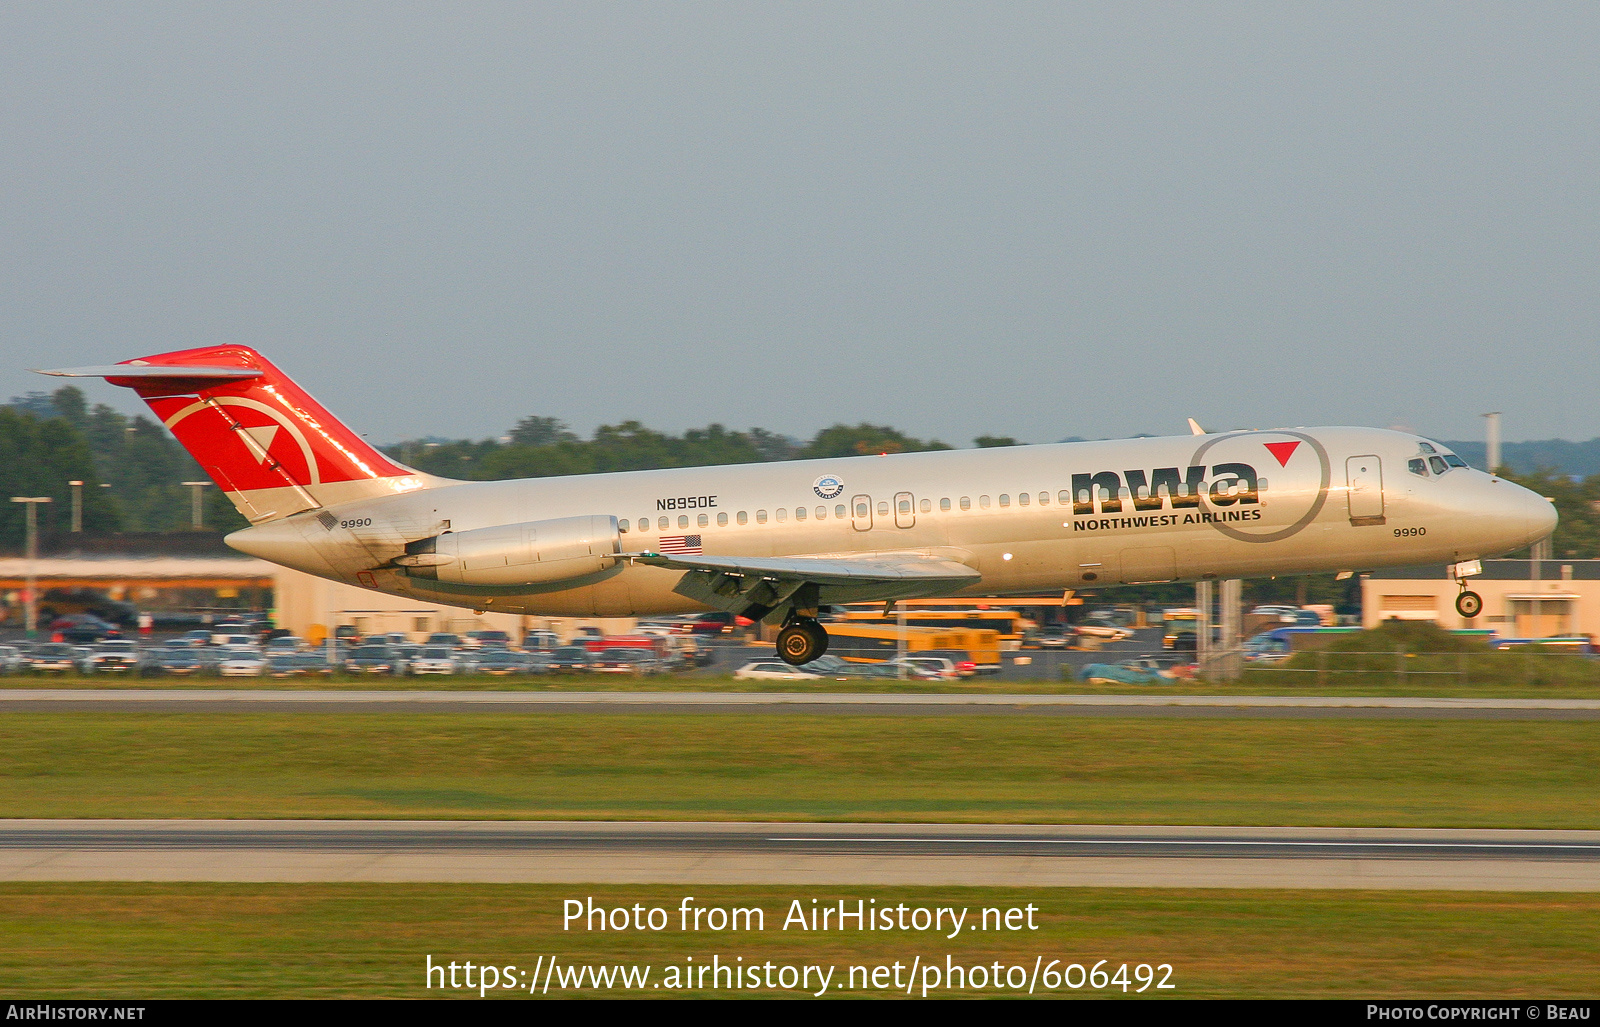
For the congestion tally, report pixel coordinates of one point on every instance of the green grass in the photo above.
(802, 767)
(142, 941)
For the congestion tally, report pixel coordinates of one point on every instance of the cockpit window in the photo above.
(1437, 463)
(1427, 448)
(1417, 466)
(1454, 461)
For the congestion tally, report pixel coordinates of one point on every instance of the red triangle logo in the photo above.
(1282, 450)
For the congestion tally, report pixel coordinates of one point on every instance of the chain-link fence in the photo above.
(1523, 666)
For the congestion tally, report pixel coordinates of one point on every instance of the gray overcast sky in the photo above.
(1035, 220)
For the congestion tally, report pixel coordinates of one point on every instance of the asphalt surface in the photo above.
(799, 853)
(792, 839)
(873, 703)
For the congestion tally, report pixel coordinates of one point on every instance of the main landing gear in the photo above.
(801, 641)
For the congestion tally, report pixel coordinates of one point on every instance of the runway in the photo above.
(799, 853)
(874, 703)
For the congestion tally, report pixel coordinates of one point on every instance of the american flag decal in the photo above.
(681, 545)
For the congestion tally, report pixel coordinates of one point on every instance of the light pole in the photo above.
(196, 515)
(77, 505)
(31, 600)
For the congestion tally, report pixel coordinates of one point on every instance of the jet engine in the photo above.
(532, 552)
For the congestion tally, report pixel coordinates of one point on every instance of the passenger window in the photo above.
(1064, 497)
(663, 523)
(966, 503)
(1023, 499)
(799, 513)
(1438, 464)
(1044, 499)
(781, 514)
(905, 506)
(683, 520)
(861, 510)
(761, 517)
(1005, 500)
(926, 505)
(883, 509)
(703, 520)
(822, 513)
(838, 511)
(944, 505)
(622, 525)
(983, 502)
(722, 520)
(1417, 466)
(743, 517)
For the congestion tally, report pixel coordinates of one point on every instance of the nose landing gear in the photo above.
(801, 641)
(1469, 604)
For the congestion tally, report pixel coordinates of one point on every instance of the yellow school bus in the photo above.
(1009, 626)
(861, 642)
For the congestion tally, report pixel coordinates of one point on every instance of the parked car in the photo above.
(222, 632)
(242, 663)
(285, 644)
(81, 629)
(1142, 670)
(501, 662)
(932, 667)
(53, 658)
(111, 657)
(375, 659)
(289, 664)
(571, 659)
(1098, 628)
(1053, 636)
(638, 662)
(12, 660)
(436, 659)
(774, 670)
(180, 661)
(540, 641)
(964, 665)
(196, 637)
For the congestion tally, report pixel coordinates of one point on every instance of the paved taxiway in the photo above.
(816, 854)
(881, 703)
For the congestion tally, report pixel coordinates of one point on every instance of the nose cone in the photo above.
(1515, 516)
(1540, 513)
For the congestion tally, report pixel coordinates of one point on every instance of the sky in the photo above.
(1036, 220)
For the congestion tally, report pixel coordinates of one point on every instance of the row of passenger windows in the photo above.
(841, 511)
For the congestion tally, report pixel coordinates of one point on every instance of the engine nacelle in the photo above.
(529, 553)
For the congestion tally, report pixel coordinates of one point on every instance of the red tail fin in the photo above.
(261, 438)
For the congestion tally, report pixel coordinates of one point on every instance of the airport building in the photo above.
(1521, 598)
(184, 590)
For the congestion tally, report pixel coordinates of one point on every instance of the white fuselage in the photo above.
(1027, 518)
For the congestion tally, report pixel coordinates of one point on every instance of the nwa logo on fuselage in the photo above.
(1230, 484)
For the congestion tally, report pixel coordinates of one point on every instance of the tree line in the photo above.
(133, 469)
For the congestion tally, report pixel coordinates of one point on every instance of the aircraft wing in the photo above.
(759, 586)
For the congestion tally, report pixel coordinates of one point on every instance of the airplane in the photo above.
(777, 542)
